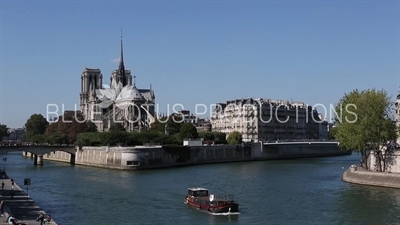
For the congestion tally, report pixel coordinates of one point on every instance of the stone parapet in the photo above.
(357, 175)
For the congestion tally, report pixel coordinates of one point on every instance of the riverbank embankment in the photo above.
(358, 175)
(162, 156)
(151, 157)
(19, 204)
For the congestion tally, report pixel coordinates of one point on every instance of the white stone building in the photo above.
(188, 117)
(268, 120)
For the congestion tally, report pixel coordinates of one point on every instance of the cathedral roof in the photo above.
(130, 93)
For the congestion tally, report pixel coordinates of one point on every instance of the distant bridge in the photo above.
(37, 151)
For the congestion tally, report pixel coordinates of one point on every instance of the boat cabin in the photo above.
(198, 192)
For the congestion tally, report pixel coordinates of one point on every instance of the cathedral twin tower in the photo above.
(140, 113)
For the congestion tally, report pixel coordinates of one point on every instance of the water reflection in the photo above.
(218, 219)
(359, 204)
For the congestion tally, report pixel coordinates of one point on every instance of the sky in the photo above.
(196, 52)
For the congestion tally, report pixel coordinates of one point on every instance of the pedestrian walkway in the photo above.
(19, 204)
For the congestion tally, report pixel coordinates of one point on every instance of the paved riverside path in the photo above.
(21, 206)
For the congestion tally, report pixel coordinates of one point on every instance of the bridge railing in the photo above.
(32, 145)
(300, 140)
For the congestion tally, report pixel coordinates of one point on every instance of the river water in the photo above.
(298, 191)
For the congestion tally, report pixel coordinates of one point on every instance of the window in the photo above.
(132, 163)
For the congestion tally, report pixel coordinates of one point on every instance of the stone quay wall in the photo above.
(181, 156)
(296, 150)
(148, 157)
(357, 175)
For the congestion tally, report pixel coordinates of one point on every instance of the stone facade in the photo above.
(266, 120)
(122, 103)
(203, 125)
(391, 164)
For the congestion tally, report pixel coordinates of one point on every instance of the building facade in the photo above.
(188, 117)
(122, 103)
(201, 124)
(268, 120)
(14, 134)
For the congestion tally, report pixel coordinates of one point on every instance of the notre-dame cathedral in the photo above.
(122, 103)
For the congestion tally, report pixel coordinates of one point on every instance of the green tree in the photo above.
(91, 139)
(234, 138)
(150, 136)
(116, 137)
(219, 136)
(157, 125)
(188, 130)
(71, 123)
(216, 137)
(3, 131)
(38, 139)
(364, 123)
(117, 127)
(206, 135)
(332, 133)
(91, 127)
(35, 125)
(170, 125)
(171, 140)
(58, 139)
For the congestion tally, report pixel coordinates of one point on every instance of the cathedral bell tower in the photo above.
(91, 79)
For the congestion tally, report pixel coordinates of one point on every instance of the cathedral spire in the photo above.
(121, 67)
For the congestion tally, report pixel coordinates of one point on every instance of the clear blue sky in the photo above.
(197, 52)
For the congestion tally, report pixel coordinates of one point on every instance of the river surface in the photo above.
(298, 191)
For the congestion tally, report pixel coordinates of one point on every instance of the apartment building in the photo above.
(268, 120)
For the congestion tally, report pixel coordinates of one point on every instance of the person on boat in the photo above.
(48, 219)
(10, 218)
(2, 208)
(14, 221)
(40, 218)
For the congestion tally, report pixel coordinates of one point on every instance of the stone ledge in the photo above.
(382, 179)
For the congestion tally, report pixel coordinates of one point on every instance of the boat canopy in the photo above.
(198, 192)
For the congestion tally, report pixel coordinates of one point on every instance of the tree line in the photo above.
(69, 129)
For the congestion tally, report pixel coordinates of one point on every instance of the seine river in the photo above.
(299, 191)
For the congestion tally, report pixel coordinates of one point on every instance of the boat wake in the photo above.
(225, 214)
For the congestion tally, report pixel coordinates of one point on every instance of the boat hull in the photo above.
(225, 208)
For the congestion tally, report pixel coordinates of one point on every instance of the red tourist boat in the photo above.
(201, 199)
